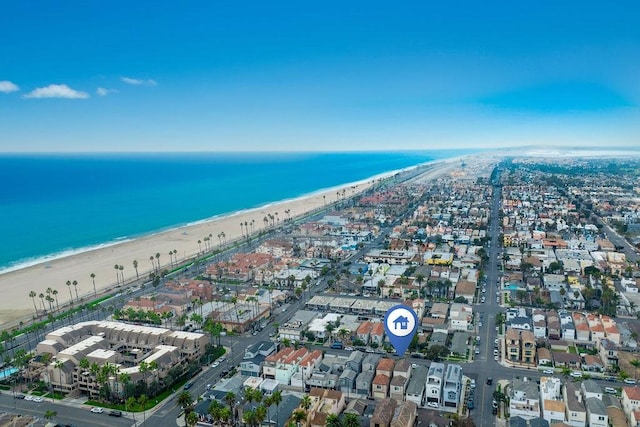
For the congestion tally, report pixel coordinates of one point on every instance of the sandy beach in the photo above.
(16, 304)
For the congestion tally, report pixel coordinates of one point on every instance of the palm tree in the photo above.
(350, 420)
(33, 295)
(185, 399)
(75, 286)
(117, 268)
(260, 415)
(50, 301)
(215, 410)
(55, 295)
(298, 416)
(153, 265)
(636, 364)
(276, 399)
(93, 279)
(329, 328)
(41, 296)
(69, 286)
(158, 259)
(142, 401)
(50, 414)
(305, 403)
(191, 419)
(125, 379)
(58, 364)
(333, 421)
(121, 268)
(135, 267)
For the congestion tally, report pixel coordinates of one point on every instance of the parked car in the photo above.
(19, 396)
(576, 374)
(630, 381)
(432, 404)
(115, 413)
(97, 410)
(610, 390)
(548, 371)
(489, 381)
(38, 399)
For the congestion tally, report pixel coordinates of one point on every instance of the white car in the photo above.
(496, 358)
(629, 381)
(576, 374)
(28, 397)
(548, 371)
(433, 405)
(97, 410)
(38, 399)
(215, 364)
(610, 390)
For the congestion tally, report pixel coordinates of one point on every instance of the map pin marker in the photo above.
(400, 324)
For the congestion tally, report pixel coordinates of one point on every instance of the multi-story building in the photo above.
(596, 413)
(575, 412)
(435, 378)
(123, 345)
(524, 399)
(417, 386)
(630, 400)
(452, 387)
(380, 386)
(553, 406)
(520, 346)
(608, 352)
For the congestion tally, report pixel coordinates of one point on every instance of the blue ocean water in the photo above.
(57, 204)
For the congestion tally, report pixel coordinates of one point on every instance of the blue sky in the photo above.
(214, 75)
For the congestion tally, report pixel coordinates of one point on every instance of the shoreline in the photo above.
(55, 272)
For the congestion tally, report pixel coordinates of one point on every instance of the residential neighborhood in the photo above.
(524, 283)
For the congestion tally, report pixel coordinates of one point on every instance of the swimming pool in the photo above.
(7, 372)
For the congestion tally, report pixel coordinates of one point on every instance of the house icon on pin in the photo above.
(401, 322)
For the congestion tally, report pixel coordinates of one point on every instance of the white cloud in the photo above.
(104, 91)
(7, 87)
(139, 82)
(57, 91)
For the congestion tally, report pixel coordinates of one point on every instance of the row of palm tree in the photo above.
(51, 295)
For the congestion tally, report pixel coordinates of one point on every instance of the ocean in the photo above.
(59, 204)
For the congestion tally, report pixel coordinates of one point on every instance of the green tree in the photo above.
(49, 414)
(190, 418)
(350, 420)
(333, 421)
(69, 287)
(305, 403)
(93, 279)
(135, 267)
(33, 295)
